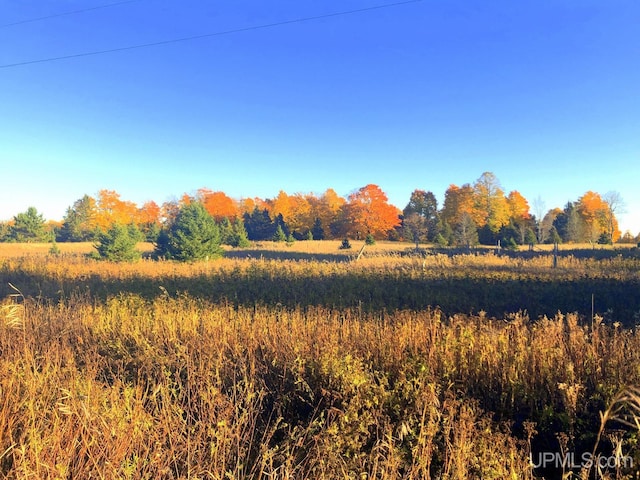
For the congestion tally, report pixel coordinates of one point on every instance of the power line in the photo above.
(207, 35)
(55, 15)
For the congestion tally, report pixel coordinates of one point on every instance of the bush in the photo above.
(345, 244)
(290, 240)
(54, 250)
(118, 244)
(369, 240)
(193, 235)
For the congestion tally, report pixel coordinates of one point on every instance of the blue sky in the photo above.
(544, 94)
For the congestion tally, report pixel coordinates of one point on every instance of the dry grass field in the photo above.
(299, 362)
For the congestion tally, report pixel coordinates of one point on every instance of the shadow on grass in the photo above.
(617, 300)
(293, 255)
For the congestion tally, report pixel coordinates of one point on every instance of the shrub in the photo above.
(369, 240)
(54, 250)
(290, 240)
(346, 244)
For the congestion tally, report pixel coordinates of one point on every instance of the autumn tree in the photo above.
(327, 213)
(592, 208)
(280, 205)
(300, 218)
(218, 204)
(370, 213)
(490, 203)
(518, 210)
(295, 210)
(548, 227)
(79, 223)
(458, 202)
(425, 205)
(148, 219)
(110, 209)
(29, 226)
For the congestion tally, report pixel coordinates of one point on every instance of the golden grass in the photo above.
(13, 250)
(181, 388)
(174, 386)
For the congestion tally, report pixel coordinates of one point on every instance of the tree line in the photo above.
(473, 213)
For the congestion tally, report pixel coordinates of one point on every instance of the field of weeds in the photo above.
(281, 364)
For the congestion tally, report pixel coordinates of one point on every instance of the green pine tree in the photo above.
(193, 235)
(29, 226)
(240, 237)
(279, 236)
(118, 244)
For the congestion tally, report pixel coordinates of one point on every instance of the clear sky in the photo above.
(544, 94)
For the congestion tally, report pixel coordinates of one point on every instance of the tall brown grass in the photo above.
(178, 387)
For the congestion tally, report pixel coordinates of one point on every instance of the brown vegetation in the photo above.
(147, 381)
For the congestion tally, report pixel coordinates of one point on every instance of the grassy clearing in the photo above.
(264, 365)
(380, 280)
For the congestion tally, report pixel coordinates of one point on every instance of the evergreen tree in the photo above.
(290, 240)
(29, 226)
(5, 230)
(440, 240)
(259, 225)
(317, 231)
(226, 232)
(279, 236)
(369, 240)
(279, 222)
(240, 238)
(345, 245)
(445, 232)
(79, 224)
(193, 235)
(118, 243)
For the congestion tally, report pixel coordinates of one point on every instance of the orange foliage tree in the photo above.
(218, 204)
(149, 218)
(110, 209)
(597, 216)
(490, 202)
(369, 212)
(299, 219)
(326, 209)
(458, 203)
(518, 211)
(518, 206)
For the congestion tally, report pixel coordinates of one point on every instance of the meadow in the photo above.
(296, 362)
